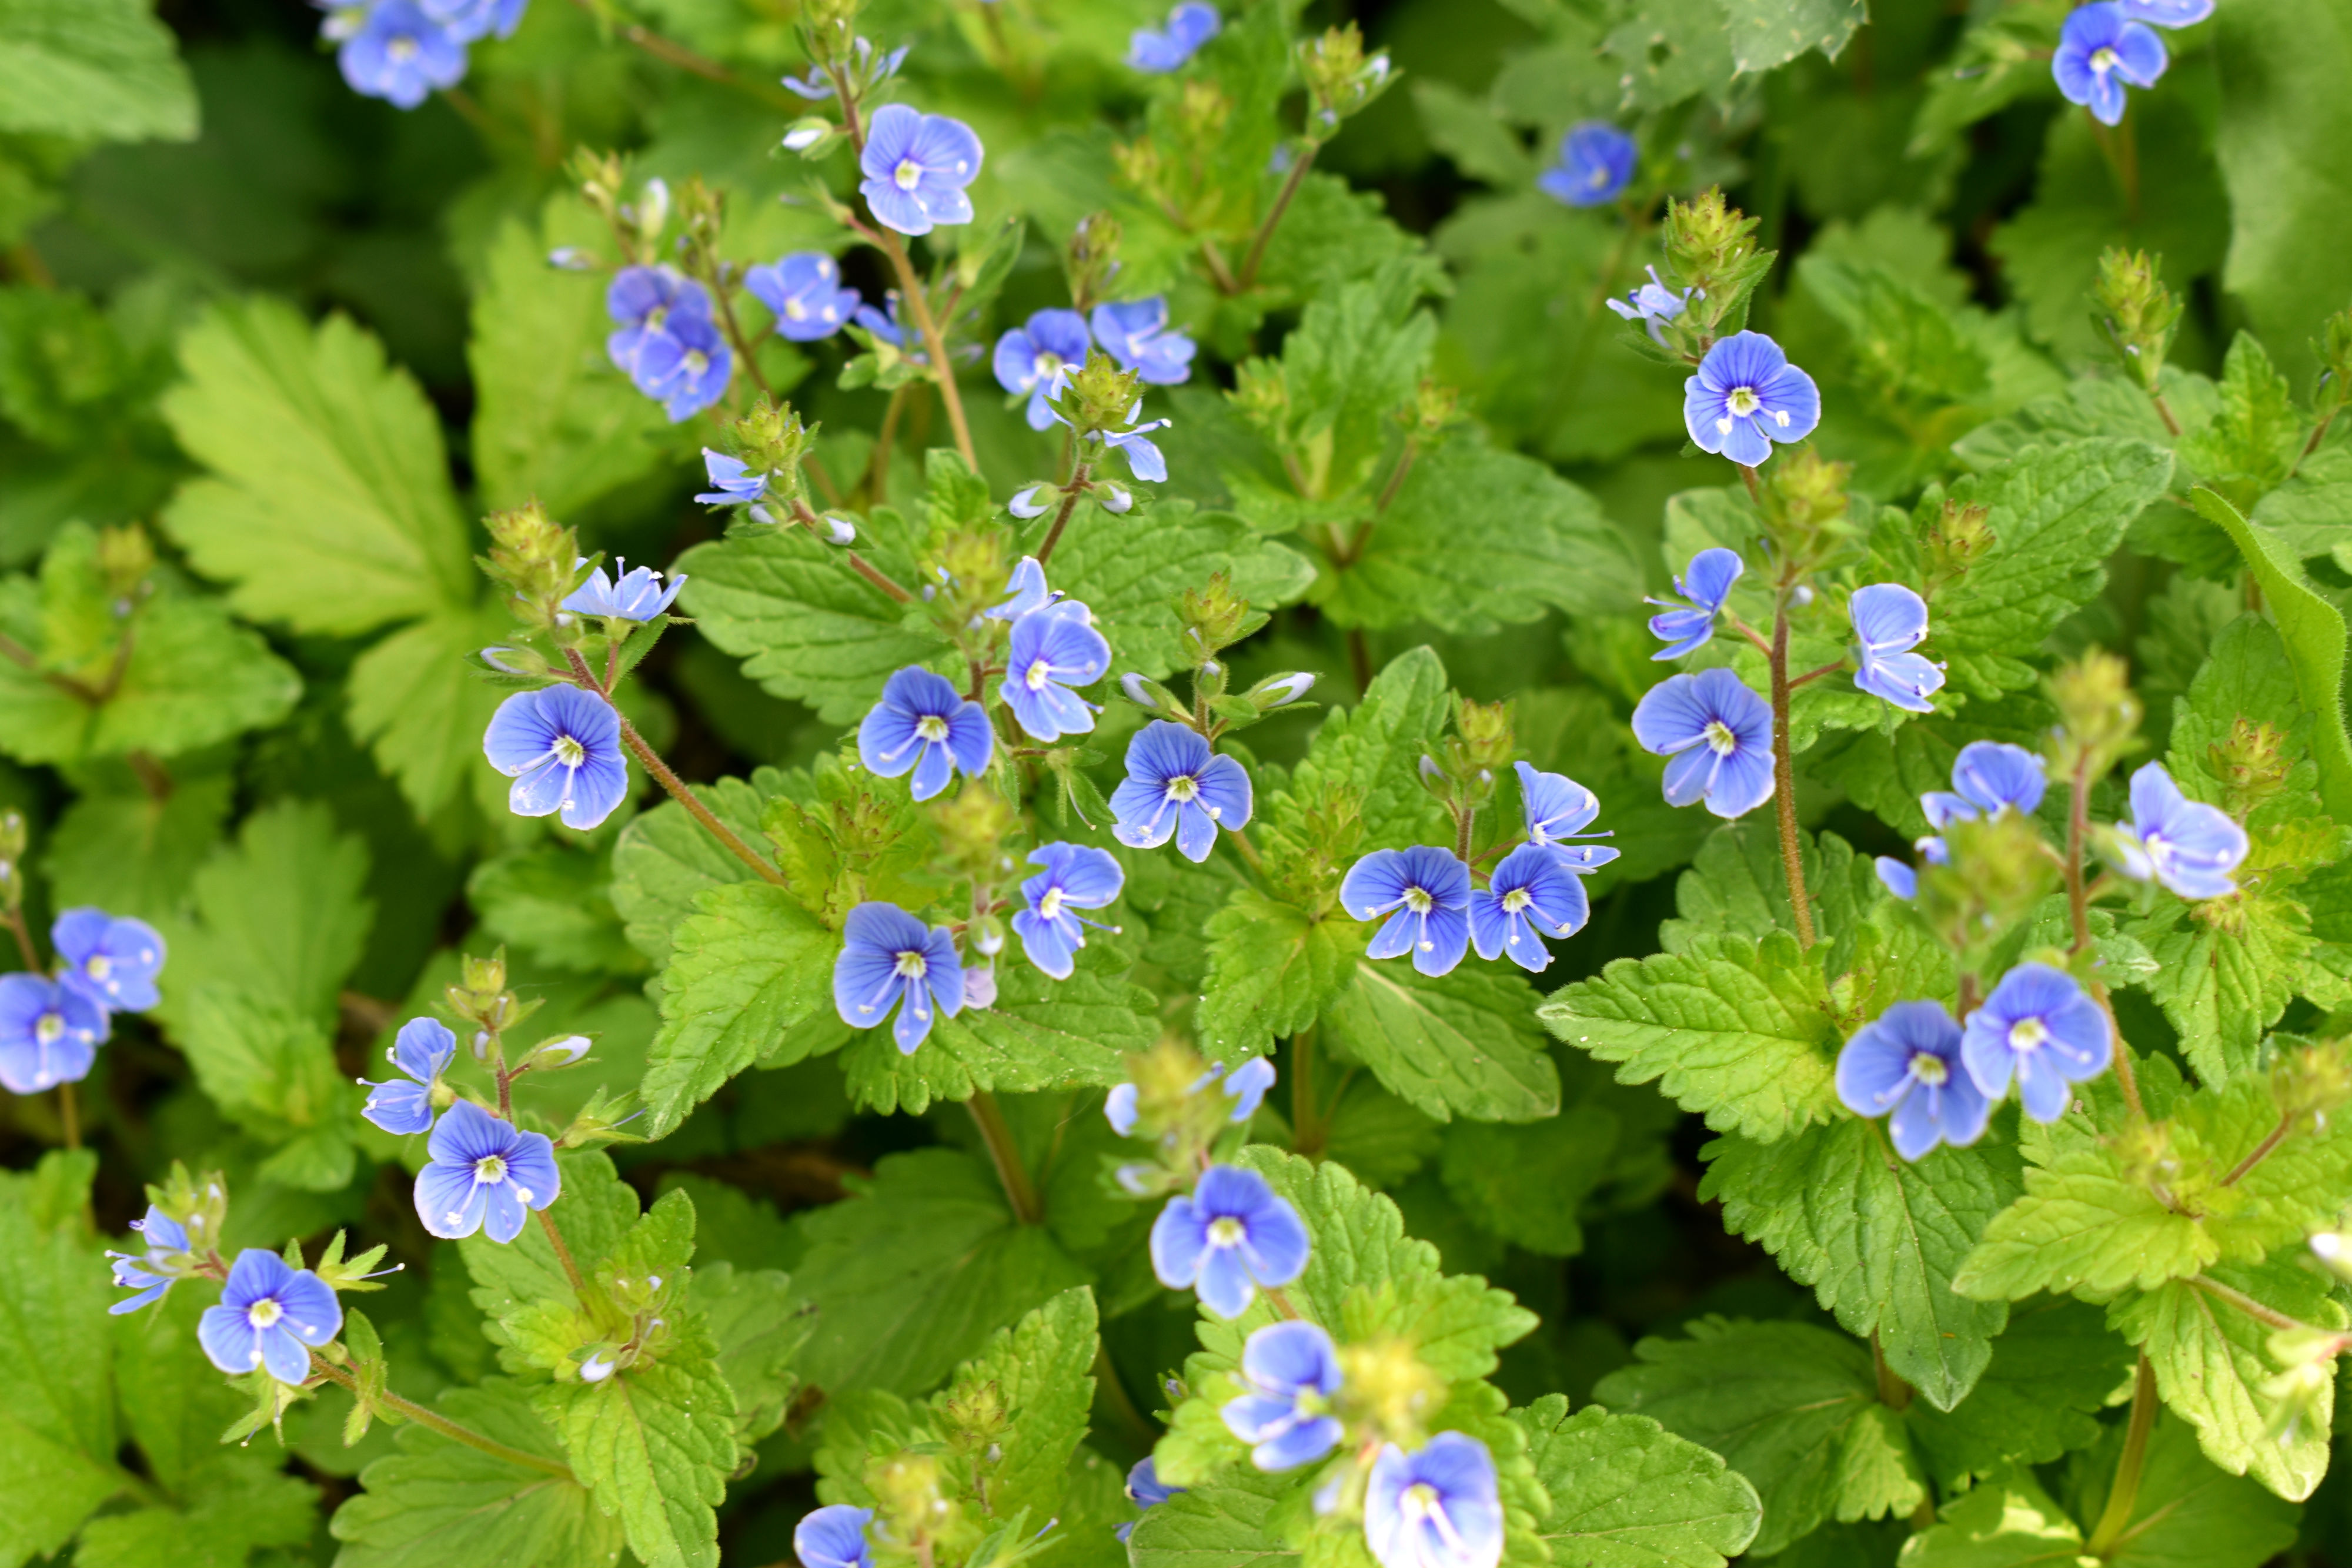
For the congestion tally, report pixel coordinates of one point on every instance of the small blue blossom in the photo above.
(632, 595)
(1746, 395)
(1531, 895)
(642, 299)
(916, 167)
(1026, 591)
(1596, 160)
(2169, 12)
(887, 957)
(734, 483)
(884, 327)
(562, 750)
(833, 1537)
(925, 727)
(1436, 1508)
(1897, 878)
(1233, 1235)
(1651, 304)
(1053, 651)
(423, 1049)
(1988, 776)
(2100, 50)
(2187, 845)
(1137, 335)
(685, 366)
(49, 1033)
(399, 53)
(1719, 735)
(1245, 1086)
(483, 1174)
(1889, 620)
(270, 1314)
(1424, 892)
(1190, 26)
(1558, 808)
(1143, 457)
(1907, 1060)
(1039, 357)
(1146, 1491)
(1176, 785)
(1248, 1084)
(1075, 877)
(817, 86)
(1700, 594)
(2040, 1027)
(804, 292)
(166, 1259)
(468, 20)
(1292, 1370)
(569, 258)
(112, 960)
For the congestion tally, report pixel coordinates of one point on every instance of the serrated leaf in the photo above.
(1229, 1524)
(551, 906)
(759, 1330)
(2083, 1225)
(235, 1513)
(1372, 751)
(1133, 592)
(273, 1070)
(57, 1432)
(412, 702)
(1769, 34)
(595, 1211)
(2187, 1514)
(184, 1403)
(2052, 1370)
(96, 70)
(746, 966)
(1627, 1493)
(654, 1444)
(133, 854)
(1464, 1042)
(664, 858)
(2007, 1521)
(1042, 1370)
(2222, 982)
(1493, 1169)
(1272, 968)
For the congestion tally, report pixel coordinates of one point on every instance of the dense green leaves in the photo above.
(1463, 1043)
(1626, 1493)
(57, 1432)
(749, 966)
(102, 70)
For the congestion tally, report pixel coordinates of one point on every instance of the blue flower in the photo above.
(482, 1175)
(1907, 1060)
(685, 366)
(1531, 895)
(562, 750)
(1052, 651)
(1233, 1235)
(636, 595)
(112, 961)
(1986, 777)
(1746, 396)
(1145, 1490)
(884, 324)
(1190, 26)
(2100, 49)
(1075, 877)
(1135, 334)
(1425, 894)
(816, 87)
(2169, 12)
(1700, 594)
(1889, 620)
(1436, 1508)
(1245, 1086)
(2190, 847)
(1027, 593)
(167, 1259)
(1175, 784)
(923, 725)
(1719, 735)
(1557, 807)
(401, 55)
(269, 1313)
(423, 1049)
(1143, 458)
(804, 292)
(1651, 305)
(642, 299)
(1038, 357)
(1596, 160)
(889, 957)
(1897, 878)
(470, 19)
(833, 1537)
(2041, 1026)
(1292, 1370)
(49, 1033)
(916, 167)
(734, 483)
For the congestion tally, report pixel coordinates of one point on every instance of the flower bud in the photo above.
(1955, 540)
(1114, 497)
(1151, 696)
(2137, 312)
(2252, 765)
(1389, 1389)
(515, 660)
(1710, 248)
(1214, 618)
(125, 557)
(2098, 717)
(771, 439)
(2309, 1084)
(971, 825)
(1091, 261)
(537, 560)
(2334, 1248)
(13, 840)
(1340, 80)
(652, 211)
(1280, 691)
(811, 136)
(562, 1052)
(1804, 505)
(1099, 395)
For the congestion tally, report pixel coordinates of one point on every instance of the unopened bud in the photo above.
(562, 1052)
(811, 137)
(2098, 717)
(1092, 259)
(1280, 691)
(1214, 618)
(1708, 243)
(2252, 765)
(2137, 312)
(568, 258)
(1957, 540)
(1114, 497)
(1340, 80)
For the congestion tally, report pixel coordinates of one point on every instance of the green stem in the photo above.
(1274, 218)
(1784, 782)
(562, 1253)
(432, 1420)
(1019, 1191)
(1070, 493)
(2124, 1496)
(1306, 1132)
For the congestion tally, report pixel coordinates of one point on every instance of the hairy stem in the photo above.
(2124, 1496)
(1248, 274)
(1306, 1130)
(2260, 1312)
(989, 1116)
(1893, 1391)
(1784, 782)
(562, 1253)
(1359, 659)
(878, 463)
(823, 479)
(2078, 900)
(734, 331)
(1070, 495)
(910, 290)
(2126, 1079)
(69, 1113)
(2318, 434)
(2261, 1152)
(857, 563)
(432, 1420)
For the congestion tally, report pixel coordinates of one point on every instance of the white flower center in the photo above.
(264, 1312)
(1518, 898)
(1225, 1232)
(1417, 899)
(795, 310)
(489, 1169)
(1930, 1069)
(911, 964)
(1421, 1502)
(401, 51)
(2026, 1034)
(697, 362)
(569, 752)
(1040, 674)
(1719, 739)
(48, 1026)
(100, 967)
(1184, 787)
(1051, 904)
(908, 174)
(931, 726)
(1742, 402)
(2103, 61)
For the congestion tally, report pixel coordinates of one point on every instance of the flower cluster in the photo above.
(667, 342)
(2108, 46)
(51, 1026)
(1159, 50)
(1035, 359)
(804, 292)
(402, 51)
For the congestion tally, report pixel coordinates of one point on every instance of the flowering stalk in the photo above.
(562, 1253)
(1247, 276)
(858, 563)
(997, 1134)
(2124, 1495)
(1784, 771)
(1070, 493)
(432, 1420)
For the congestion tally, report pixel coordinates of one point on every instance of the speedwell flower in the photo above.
(1907, 1060)
(423, 1049)
(1145, 1491)
(1425, 894)
(1988, 776)
(733, 481)
(1135, 332)
(1531, 895)
(49, 1033)
(1651, 304)
(685, 366)
(1889, 620)
(2100, 50)
(1436, 1508)
(1745, 396)
(2040, 1028)
(1232, 1235)
(833, 1537)
(925, 727)
(1075, 877)
(1292, 1370)
(1245, 1086)
(1039, 357)
(1175, 784)
(270, 1314)
(644, 300)
(112, 960)
(804, 292)
(2187, 845)
(1596, 160)
(889, 957)
(1557, 807)
(2169, 12)
(1052, 651)
(916, 167)
(1719, 735)
(562, 750)
(634, 594)
(166, 1259)
(401, 55)
(484, 1174)
(1700, 594)
(1026, 591)
(1190, 26)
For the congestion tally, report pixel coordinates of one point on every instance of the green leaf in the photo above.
(2007, 1521)
(1470, 133)
(1736, 1029)
(94, 70)
(595, 1211)
(1042, 1370)
(551, 906)
(133, 854)
(1464, 1042)
(2224, 981)
(2052, 1370)
(1490, 1169)
(747, 966)
(1769, 34)
(759, 1330)
(2083, 1225)
(664, 858)
(2188, 1513)
(1229, 1524)
(1627, 1493)
(422, 715)
(1877, 1237)
(1670, 50)
(1793, 1407)
(235, 1513)
(273, 1070)
(1274, 967)
(437, 1500)
(2255, 437)
(330, 506)
(182, 1404)
(1133, 592)
(1372, 751)
(654, 1444)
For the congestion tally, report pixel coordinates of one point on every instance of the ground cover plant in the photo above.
(964, 783)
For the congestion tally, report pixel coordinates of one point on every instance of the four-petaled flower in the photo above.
(1039, 357)
(1145, 1490)
(562, 749)
(1025, 592)
(483, 1174)
(1054, 650)
(804, 292)
(1436, 1508)
(1135, 332)
(1175, 784)
(686, 366)
(2039, 1026)
(1746, 395)
(112, 960)
(1557, 807)
(925, 727)
(1233, 1235)
(1292, 1370)
(1907, 1060)
(2187, 845)
(49, 1033)
(1075, 877)
(833, 1537)
(1425, 894)
(1700, 594)
(733, 481)
(1988, 776)
(1531, 895)
(916, 167)
(1190, 26)
(1651, 304)
(1889, 620)
(400, 55)
(636, 593)
(645, 301)
(1719, 735)
(889, 957)
(1596, 160)
(2100, 49)
(270, 1314)
(423, 1049)
(166, 1260)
